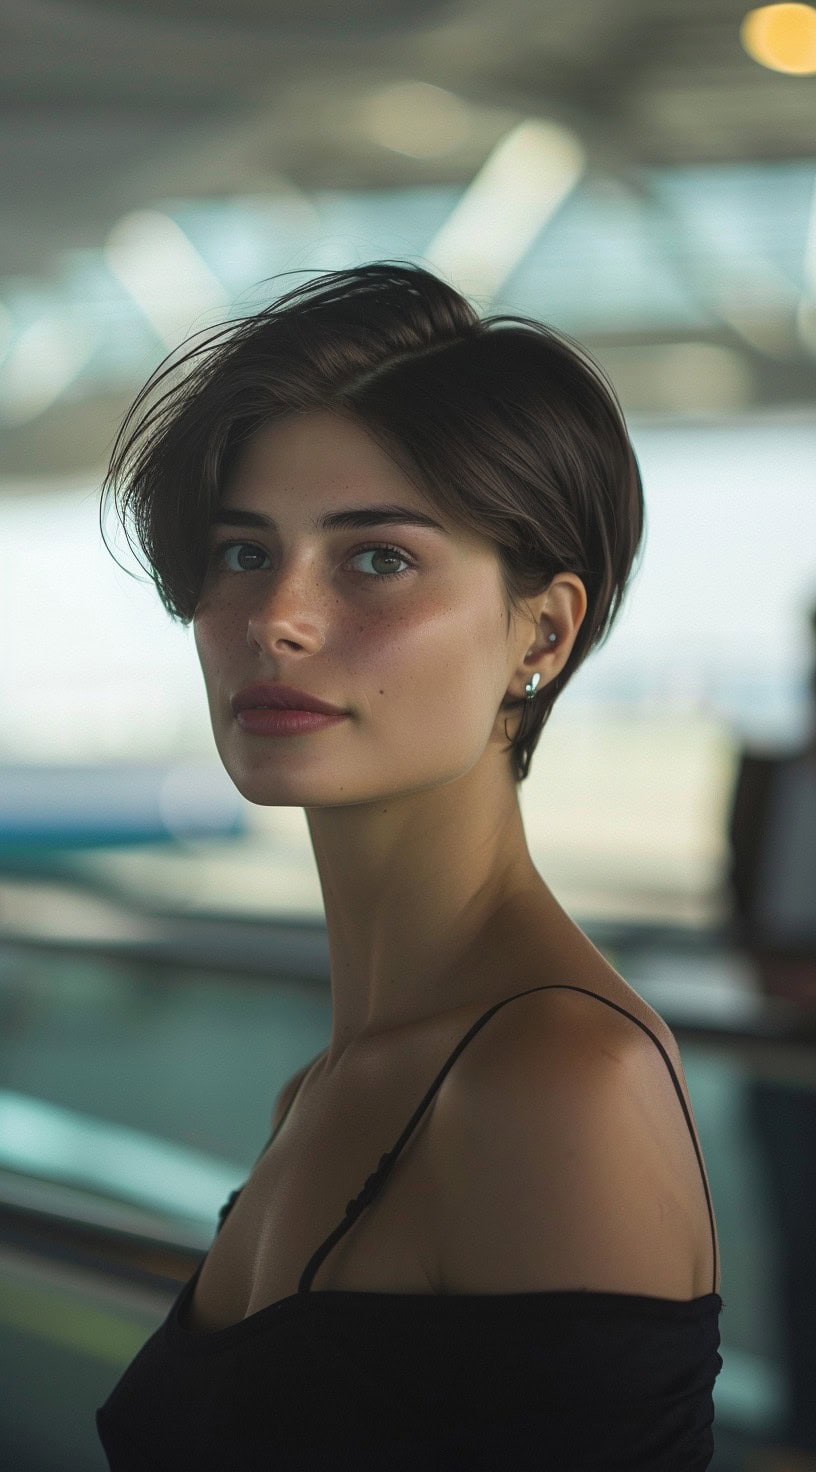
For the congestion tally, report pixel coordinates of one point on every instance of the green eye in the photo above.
(393, 554)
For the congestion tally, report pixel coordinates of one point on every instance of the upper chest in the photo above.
(331, 1141)
(297, 1194)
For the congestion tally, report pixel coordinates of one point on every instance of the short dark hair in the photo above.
(509, 426)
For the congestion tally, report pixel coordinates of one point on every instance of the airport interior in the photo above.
(639, 176)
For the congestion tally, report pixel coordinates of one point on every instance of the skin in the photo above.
(411, 805)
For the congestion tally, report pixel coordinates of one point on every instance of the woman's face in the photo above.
(412, 643)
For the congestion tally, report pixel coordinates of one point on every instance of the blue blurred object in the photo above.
(121, 804)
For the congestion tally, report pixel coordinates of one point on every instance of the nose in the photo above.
(288, 610)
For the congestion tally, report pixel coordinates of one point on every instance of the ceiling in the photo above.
(107, 107)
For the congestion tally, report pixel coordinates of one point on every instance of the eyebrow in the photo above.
(350, 517)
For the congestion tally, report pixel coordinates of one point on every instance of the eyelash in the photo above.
(222, 547)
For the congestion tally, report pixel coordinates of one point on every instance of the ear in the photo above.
(560, 611)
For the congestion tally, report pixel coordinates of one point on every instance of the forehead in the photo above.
(317, 447)
(325, 456)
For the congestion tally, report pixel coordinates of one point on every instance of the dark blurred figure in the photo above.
(772, 833)
(772, 876)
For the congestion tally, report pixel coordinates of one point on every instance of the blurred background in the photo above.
(640, 174)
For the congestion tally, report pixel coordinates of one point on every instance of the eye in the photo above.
(390, 554)
(383, 549)
(219, 552)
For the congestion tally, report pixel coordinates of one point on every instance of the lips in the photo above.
(280, 697)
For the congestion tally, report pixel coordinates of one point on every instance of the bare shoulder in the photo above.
(286, 1094)
(602, 1022)
(564, 1158)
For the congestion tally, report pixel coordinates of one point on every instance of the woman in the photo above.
(367, 496)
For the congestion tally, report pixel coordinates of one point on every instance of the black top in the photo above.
(555, 1381)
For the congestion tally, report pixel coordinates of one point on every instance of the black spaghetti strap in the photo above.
(378, 1177)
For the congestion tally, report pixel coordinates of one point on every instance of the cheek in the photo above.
(204, 641)
(216, 632)
(404, 640)
(220, 658)
(435, 654)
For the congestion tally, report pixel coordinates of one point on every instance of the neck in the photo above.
(421, 893)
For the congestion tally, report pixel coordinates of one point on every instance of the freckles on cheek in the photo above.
(218, 646)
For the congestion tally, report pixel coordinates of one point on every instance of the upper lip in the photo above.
(282, 697)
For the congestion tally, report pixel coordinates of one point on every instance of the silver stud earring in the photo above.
(530, 687)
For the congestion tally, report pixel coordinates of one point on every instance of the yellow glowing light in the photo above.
(782, 37)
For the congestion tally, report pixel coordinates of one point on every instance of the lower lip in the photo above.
(285, 722)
